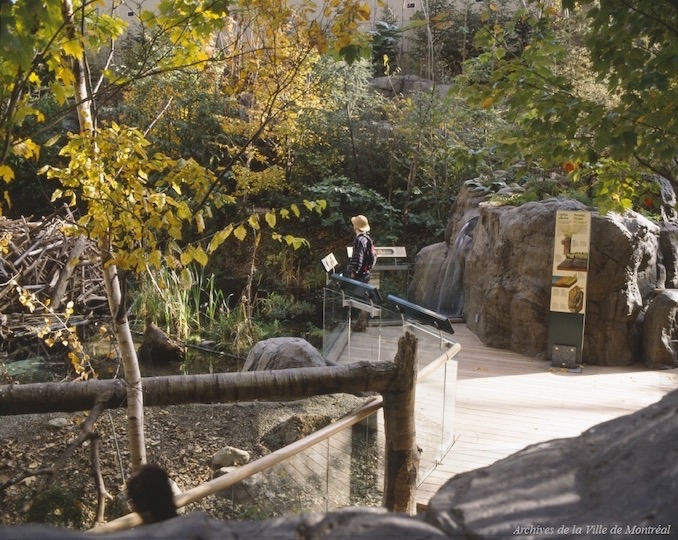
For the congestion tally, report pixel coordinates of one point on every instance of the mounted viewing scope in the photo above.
(421, 314)
(358, 289)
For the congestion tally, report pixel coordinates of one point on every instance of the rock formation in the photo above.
(660, 331)
(619, 474)
(283, 353)
(507, 276)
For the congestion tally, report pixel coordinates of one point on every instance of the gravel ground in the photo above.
(182, 439)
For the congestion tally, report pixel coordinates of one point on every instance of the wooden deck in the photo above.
(506, 401)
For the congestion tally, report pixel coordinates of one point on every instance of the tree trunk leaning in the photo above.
(66, 271)
(402, 454)
(294, 383)
(135, 404)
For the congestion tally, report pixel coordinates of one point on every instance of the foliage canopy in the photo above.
(592, 95)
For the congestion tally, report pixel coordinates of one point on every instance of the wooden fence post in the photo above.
(402, 454)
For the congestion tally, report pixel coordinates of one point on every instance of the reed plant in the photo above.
(190, 307)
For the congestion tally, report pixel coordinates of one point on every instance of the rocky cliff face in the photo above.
(506, 268)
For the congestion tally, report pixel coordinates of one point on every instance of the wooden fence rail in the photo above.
(394, 380)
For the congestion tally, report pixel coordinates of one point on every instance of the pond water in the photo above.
(47, 365)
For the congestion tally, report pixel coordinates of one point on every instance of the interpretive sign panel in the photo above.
(569, 275)
(570, 261)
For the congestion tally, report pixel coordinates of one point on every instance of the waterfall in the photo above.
(451, 294)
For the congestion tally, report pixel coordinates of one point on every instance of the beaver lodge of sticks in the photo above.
(51, 283)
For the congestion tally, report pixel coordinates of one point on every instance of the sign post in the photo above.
(569, 276)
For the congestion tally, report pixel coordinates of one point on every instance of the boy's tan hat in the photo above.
(360, 223)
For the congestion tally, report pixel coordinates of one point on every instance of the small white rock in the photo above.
(59, 423)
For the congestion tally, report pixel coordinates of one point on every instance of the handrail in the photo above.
(430, 368)
(218, 484)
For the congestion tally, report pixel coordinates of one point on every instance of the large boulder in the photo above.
(505, 260)
(283, 353)
(357, 523)
(668, 245)
(660, 331)
(623, 273)
(618, 479)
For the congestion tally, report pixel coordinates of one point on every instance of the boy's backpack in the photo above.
(370, 258)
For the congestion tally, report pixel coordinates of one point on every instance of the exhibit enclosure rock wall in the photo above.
(506, 272)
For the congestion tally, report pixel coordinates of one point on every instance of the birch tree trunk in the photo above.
(123, 333)
(130, 363)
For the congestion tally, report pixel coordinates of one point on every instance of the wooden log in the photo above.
(402, 453)
(67, 271)
(158, 348)
(294, 383)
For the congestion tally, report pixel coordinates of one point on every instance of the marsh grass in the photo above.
(190, 307)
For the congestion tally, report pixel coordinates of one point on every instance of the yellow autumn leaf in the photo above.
(26, 149)
(219, 238)
(254, 222)
(364, 12)
(155, 258)
(270, 219)
(199, 223)
(59, 93)
(72, 48)
(200, 256)
(52, 141)
(6, 173)
(66, 76)
(240, 232)
(186, 257)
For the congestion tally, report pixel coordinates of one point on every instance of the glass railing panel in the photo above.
(341, 471)
(434, 413)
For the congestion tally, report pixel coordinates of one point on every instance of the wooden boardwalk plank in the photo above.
(505, 401)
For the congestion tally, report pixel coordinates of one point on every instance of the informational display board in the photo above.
(569, 276)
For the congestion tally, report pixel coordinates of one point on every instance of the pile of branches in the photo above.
(39, 261)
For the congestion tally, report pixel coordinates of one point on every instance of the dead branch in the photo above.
(43, 259)
(102, 492)
(86, 433)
